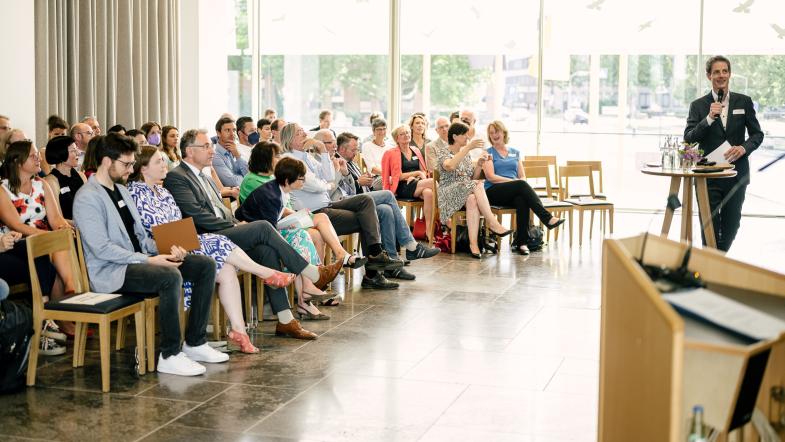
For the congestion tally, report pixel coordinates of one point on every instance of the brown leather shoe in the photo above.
(327, 274)
(294, 330)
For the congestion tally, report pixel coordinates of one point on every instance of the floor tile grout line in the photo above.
(444, 411)
(148, 388)
(182, 414)
(545, 387)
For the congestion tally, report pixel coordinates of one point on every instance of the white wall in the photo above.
(17, 75)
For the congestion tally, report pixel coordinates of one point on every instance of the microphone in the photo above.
(720, 96)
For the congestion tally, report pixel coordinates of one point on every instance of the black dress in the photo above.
(68, 187)
(406, 190)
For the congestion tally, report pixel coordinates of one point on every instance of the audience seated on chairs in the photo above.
(65, 179)
(356, 214)
(405, 175)
(170, 146)
(246, 137)
(270, 202)
(156, 206)
(121, 258)
(198, 198)
(392, 224)
(14, 270)
(260, 168)
(458, 185)
(505, 186)
(228, 163)
(442, 125)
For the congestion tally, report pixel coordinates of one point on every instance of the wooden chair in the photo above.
(347, 241)
(103, 313)
(596, 172)
(588, 203)
(553, 170)
(552, 203)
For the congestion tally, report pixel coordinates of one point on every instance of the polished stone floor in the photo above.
(503, 349)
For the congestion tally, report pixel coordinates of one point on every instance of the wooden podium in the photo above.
(655, 364)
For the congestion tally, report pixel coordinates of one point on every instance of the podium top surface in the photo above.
(659, 171)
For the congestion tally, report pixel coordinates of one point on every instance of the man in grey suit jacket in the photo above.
(710, 123)
(198, 198)
(121, 258)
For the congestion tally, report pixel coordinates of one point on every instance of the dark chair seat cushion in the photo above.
(100, 308)
(409, 200)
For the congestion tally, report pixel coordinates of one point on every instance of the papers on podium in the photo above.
(300, 219)
(718, 154)
(90, 298)
(727, 313)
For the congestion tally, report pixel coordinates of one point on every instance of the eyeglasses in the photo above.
(74, 150)
(5, 127)
(91, 133)
(302, 178)
(203, 146)
(127, 164)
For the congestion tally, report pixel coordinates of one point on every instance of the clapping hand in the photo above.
(8, 240)
(477, 143)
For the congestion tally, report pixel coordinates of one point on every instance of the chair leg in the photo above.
(610, 219)
(83, 343)
(141, 350)
(580, 228)
(120, 337)
(35, 347)
(149, 334)
(570, 215)
(513, 224)
(104, 336)
(216, 316)
(247, 278)
(259, 299)
(77, 341)
(591, 223)
(453, 231)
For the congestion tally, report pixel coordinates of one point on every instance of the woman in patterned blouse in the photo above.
(157, 206)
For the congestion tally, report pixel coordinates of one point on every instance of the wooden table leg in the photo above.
(666, 223)
(686, 210)
(705, 211)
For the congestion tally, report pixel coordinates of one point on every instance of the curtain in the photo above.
(113, 59)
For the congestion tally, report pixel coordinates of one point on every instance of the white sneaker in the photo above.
(51, 330)
(205, 353)
(180, 365)
(50, 348)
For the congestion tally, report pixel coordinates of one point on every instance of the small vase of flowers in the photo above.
(690, 155)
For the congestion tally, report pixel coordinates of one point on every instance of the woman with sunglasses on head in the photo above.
(418, 125)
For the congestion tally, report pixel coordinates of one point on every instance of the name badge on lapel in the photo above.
(121, 204)
(738, 111)
(64, 190)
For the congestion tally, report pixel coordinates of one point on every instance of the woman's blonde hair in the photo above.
(415, 116)
(397, 130)
(499, 126)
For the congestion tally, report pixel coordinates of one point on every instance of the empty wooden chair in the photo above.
(102, 313)
(553, 170)
(550, 201)
(586, 203)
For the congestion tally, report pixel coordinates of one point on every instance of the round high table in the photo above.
(689, 177)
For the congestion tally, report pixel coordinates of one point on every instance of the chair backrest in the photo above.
(436, 189)
(575, 171)
(551, 162)
(63, 241)
(595, 166)
(358, 160)
(539, 172)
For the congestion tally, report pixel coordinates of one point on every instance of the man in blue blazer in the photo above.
(121, 258)
(710, 123)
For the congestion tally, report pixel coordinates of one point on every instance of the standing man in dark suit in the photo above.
(713, 119)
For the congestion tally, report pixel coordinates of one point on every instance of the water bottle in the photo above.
(665, 156)
(675, 156)
(696, 425)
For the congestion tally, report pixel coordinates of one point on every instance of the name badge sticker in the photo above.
(738, 111)
(64, 190)
(121, 204)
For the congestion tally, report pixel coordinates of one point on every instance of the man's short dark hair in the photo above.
(189, 138)
(57, 149)
(262, 155)
(262, 122)
(324, 114)
(710, 63)
(117, 128)
(289, 170)
(241, 122)
(345, 137)
(221, 122)
(455, 115)
(276, 124)
(457, 128)
(133, 132)
(114, 146)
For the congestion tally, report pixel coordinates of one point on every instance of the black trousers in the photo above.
(168, 282)
(519, 194)
(14, 268)
(262, 242)
(727, 220)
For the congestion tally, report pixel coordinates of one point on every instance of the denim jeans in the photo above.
(392, 224)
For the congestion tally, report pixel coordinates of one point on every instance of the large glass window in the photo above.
(472, 54)
(324, 55)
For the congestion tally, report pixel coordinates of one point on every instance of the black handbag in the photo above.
(16, 330)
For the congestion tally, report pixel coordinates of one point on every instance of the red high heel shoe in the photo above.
(280, 279)
(243, 341)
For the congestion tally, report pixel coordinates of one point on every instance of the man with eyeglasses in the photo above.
(5, 124)
(122, 259)
(93, 123)
(227, 162)
(442, 125)
(82, 134)
(199, 198)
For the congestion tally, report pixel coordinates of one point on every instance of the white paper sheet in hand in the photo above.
(298, 220)
(718, 154)
(728, 313)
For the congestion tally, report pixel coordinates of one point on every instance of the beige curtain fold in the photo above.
(115, 59)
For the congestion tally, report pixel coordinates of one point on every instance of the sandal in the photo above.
(316, 296)
(279, 279)
(243, 341)
(305, 314)
(359, 262)
(332, 302)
